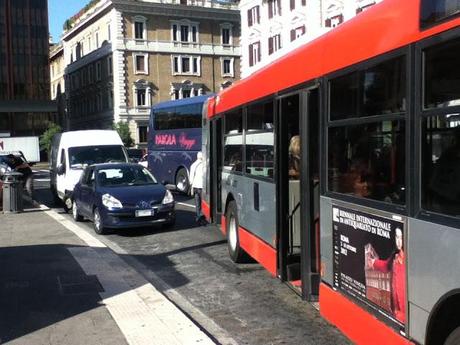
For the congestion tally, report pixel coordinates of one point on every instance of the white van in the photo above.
(72, 151)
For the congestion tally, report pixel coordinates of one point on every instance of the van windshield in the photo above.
(87, 155)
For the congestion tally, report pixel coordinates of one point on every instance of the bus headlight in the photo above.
(111, 202)
(168, 198)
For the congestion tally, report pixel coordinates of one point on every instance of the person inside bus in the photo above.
(357, 181)
(196, 180)
(395, 264)
(294, 158)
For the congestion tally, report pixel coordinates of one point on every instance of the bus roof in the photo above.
(181, 102)
(386, 26)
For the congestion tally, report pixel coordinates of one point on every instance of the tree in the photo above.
(47, 137)
(123, 131)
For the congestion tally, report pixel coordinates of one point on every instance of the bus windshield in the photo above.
(87, 155)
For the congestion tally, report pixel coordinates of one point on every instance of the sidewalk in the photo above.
(61, 285)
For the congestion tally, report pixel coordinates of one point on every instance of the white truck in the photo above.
(29, 146)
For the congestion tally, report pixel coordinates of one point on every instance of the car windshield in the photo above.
(87, 155)
(125, 176)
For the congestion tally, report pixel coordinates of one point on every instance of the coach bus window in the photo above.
(260, 140)
(434, 11)
(233, 141)
(373, 91)
(178, 117)
(441, 164)
(368, 161)
(442, 75)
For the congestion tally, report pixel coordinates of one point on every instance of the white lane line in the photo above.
(184, 204)
(143, 314)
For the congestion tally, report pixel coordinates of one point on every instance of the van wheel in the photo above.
(454, 337)
(68, 202)
(182, 182)
(237, 254)
(97, 221)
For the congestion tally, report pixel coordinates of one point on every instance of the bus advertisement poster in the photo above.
(369, 261)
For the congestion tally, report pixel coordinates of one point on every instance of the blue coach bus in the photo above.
(175, 139)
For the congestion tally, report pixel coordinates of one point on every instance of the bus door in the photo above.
(298, 191)
(216, 170)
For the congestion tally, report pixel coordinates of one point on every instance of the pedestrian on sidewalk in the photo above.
(196, 179)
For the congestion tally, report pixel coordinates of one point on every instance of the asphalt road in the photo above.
(235, 304)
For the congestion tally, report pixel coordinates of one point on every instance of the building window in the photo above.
(141, 63)
(90, 74)
(184, 31)
(292, 5)
(89, 44)
(143, 134)
(274, 44)
(140, 96)
(365, 7)
(334, 21)
(254, 53)
(274, 8)
(253, 16)
(226, 34)
(109, 66)
(142, 93)
(96, 37)
(227, 67)
(98, 71)
(140, 28)
(109, 34)
(297, 32)
(189, 65)
(185, 89)
(110, 98)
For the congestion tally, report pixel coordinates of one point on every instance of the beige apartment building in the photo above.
(123, 56)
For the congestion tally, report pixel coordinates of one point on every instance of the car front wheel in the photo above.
(98, 225)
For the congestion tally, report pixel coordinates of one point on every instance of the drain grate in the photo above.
(79, 284)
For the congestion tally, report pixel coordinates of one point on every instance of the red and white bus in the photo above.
(364, 214)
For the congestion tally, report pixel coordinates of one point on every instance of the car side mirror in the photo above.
(60, 169)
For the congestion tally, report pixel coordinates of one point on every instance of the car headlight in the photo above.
(111, 202)
(168, 198)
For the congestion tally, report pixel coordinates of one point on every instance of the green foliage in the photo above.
(123, 130)
(68, 24)
(47, 137)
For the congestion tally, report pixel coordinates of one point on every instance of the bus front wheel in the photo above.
(182, 183)
(237, 254)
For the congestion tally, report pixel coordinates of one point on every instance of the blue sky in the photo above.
(59, 11)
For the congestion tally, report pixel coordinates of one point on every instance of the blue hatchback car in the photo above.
(121, 195)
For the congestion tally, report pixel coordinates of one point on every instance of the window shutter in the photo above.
(259, 56)
(278, 3)
(249, 18)
(258, 15)
(174, 32)
(292, 35)
(251, 55)
(270, 45)
(292, 4)
(304, 2)
(328, 23)
(270, 9)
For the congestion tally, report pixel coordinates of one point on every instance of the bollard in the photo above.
(12, 192)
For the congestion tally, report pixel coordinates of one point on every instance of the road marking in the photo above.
(184, 204)
(143, 314)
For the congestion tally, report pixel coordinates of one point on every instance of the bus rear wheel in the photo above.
(182, 183)
(453, 338)
(237, 254)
